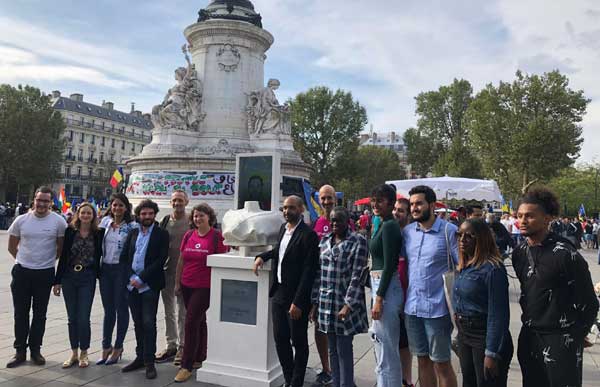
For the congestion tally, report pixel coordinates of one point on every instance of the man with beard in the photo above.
(428, 242)
(557, 297)
(295, 259)
(401, 212)
(145, 250)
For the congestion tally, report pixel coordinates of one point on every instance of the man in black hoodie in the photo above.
(557, 297)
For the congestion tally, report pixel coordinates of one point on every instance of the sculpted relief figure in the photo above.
(265, 114)
(181, 108)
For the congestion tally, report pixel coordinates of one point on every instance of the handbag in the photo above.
(448, 277)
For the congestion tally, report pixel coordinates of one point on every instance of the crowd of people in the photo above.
(428, 277)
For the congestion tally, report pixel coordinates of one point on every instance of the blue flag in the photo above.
(581, 211)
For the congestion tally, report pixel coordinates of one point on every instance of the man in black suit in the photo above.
(295, 259)
(145, 251)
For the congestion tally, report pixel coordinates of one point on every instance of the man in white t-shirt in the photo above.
(35, 241)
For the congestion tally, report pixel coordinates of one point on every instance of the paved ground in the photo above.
(56, 346)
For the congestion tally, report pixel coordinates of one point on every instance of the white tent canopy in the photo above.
(453, 188)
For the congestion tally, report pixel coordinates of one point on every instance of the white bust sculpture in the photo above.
(251, 226)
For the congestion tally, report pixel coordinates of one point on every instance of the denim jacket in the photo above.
(483, 292)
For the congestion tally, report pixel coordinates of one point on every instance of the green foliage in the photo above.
(575, 186)
(360, 171)
(31, 134)
(528, 130)
(439, 143)
(325, 128)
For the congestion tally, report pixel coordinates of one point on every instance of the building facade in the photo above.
(98, 140)
(390, 140)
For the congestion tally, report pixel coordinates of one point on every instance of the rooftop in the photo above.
(105, 112)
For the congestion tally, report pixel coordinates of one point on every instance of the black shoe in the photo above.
(150, 371)
(134, 365)
(18, 359)
(37, 358)
(166, 355)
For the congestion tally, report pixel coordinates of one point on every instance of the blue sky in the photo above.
(384, 51)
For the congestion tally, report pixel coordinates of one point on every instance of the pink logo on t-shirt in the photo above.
(198, 245)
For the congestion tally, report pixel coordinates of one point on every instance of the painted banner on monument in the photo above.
(162, 184)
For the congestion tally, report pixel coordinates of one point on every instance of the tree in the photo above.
(359, 172)
(575, 186)
(528, 130)
(31, 134)
(325, 127)
(439, 143)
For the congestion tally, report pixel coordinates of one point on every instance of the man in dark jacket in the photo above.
(557, 297)
(145, 251)
(295, 259)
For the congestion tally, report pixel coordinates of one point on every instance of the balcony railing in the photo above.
(100, 128)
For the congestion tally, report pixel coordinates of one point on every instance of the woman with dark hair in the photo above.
(388, 295)
(482, 313)
(193, 282)
(76, 277)
(114, 277)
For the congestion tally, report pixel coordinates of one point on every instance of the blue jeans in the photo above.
(143, 311)
(430, 337)
(341, 357)
(385, 334)
(78, 291)
(114, 293)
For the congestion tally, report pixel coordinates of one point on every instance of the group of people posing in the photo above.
(427, 276)
(320, 274)
(135, 264)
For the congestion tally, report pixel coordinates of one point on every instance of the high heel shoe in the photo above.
(116, 355)
(105, 354)
(71, 361)
(84, 362)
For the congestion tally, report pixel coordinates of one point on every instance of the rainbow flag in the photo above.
(117, 177)
(62, 199)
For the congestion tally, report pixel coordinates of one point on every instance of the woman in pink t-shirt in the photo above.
(193, 282)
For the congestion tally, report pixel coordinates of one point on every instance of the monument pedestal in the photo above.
(241, 349)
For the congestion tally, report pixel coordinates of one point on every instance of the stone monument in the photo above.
(218, 107)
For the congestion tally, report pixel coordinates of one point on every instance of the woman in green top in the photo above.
(388, 295)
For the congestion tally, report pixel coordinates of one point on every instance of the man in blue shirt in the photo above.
(145, 251)
(428, 241)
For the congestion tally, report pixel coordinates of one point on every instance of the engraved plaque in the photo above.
(239, 301)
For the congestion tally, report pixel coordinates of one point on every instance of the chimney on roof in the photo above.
(55, 94)
(108, 105)
(77, 97)
(393, 137)
(132, 108)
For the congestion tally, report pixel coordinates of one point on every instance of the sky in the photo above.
(383, 51)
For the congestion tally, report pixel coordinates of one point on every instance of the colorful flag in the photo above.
(117, 177)
(581, 211)
(62, 198)
(311, 205)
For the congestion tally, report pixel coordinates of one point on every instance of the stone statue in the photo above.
(181, 108)
(265, 114)
(251, 226)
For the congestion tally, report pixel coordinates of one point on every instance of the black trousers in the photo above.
(143, 308)
(288, 333)
(552, 360)
(30, 290)
(471, 352)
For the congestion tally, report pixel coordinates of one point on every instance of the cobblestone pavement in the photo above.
(56, 346)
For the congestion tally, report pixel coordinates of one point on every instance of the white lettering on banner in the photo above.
(195, 184)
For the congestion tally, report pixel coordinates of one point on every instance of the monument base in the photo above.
(241, 348)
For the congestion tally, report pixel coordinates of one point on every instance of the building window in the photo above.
(103, 139)
(112, 143)
(80, 155)
(101, 157)
(91, 158)
(67, 171)
(70, 135)
(101, 173)
(102, 125)
(82, 121)
(78, 171)
(133, 146)
(112, 129)
(69, 153)
(122, 131)
(112, 158)
(123, 145)
(82, 138)
(90, 172)
(93, 139)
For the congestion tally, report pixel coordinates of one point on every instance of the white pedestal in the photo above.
(241, 349)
